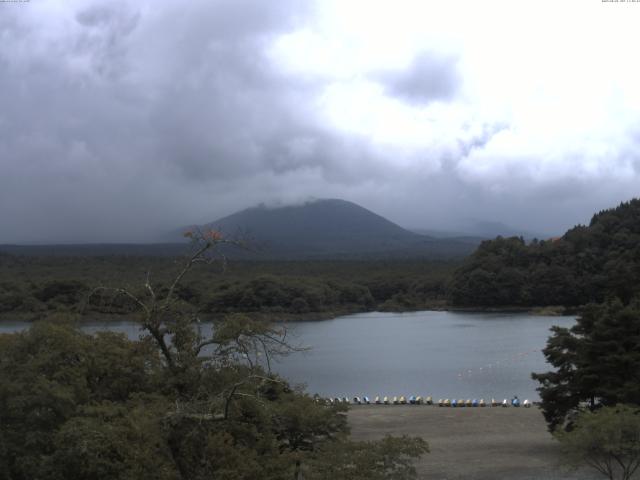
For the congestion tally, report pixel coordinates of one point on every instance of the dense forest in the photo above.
(173, 405)
(32, 286)
(587, 264)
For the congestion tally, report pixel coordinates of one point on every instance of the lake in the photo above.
(443, 354)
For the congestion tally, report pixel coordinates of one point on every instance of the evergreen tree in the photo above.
(597, 362)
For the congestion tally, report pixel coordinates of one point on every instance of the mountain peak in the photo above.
(330, 228)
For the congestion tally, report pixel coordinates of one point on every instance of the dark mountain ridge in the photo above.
(320, 229)
(329, 228)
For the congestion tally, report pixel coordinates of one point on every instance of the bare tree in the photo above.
(177, 329)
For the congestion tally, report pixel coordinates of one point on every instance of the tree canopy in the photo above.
(176, 404)
(597, 362)
(607, 440)
(587, 264)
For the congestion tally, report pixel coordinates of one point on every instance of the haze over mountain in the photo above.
(482, 230)
(329, 227)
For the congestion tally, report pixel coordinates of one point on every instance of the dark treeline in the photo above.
(30, 286)
(588, 264)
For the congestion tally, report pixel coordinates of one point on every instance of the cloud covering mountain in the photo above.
(121, 119)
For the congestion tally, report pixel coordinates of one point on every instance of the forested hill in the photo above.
(330, 228)
(587, 264)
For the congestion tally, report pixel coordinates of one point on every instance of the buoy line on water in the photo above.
(490, 368)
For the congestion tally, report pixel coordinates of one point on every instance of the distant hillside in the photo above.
(586, 264)
(479, 230)
(330, 228)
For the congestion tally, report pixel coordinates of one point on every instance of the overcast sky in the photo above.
(120, 120)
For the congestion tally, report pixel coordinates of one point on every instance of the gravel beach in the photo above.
(471, 443)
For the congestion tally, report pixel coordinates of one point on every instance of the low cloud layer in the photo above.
(122, 120)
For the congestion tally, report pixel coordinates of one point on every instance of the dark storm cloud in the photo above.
(122, 120)
(132, 119)
(130, 111)
(430, 77)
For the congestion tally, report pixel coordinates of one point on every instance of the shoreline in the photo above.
(285, 317)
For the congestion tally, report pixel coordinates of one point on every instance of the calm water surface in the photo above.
(443, 354)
